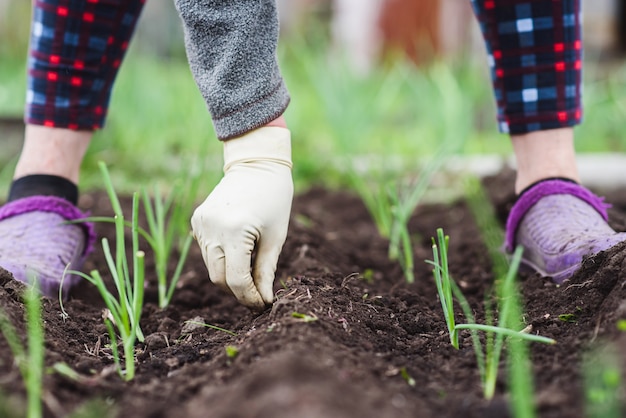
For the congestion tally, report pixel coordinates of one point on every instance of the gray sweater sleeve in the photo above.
(231, 47)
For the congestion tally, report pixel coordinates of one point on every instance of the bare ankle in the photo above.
(544, 154)
(52, 151)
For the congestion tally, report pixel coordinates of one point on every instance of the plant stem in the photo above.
(442, 281)
(36, 351)
(31, 364)
(507, 332)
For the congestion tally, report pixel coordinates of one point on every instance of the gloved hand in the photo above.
(248, 209)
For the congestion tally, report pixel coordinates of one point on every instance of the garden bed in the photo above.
(369, 326)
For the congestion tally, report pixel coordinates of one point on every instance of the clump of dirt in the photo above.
(361, 327)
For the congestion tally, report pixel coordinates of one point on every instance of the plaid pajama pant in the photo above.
(76, 48)
(534, 51)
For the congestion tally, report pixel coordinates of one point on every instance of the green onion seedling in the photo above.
(168, 229)
(30, 360)
(488, 358)
(443, 283)
(519, 377)
(123, 308)
(161, 236)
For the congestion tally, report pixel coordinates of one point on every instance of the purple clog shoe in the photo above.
(559, 223)
(36, 241)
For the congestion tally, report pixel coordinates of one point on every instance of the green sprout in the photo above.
(569, 317)
(368, 276)
(231, 351)
(487, 358)
(304, 317)
(215, 327)
(517, 353)
(123, 308)
(443, 283)
(30, 360)
(407, 377)
(161, 238)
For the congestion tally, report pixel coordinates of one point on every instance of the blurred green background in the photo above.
(389, 118)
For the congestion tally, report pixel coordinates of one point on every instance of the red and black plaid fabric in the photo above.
(535, 52)
(76, 48)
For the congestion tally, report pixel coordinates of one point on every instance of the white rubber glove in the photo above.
(249, 208)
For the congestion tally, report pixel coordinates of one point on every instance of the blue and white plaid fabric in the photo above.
(534, 52)
(76, 48)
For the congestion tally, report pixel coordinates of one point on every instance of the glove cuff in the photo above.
(546, 188)
(269, 143)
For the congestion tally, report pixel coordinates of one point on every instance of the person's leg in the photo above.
(544, 154)
(535, 55)
(76, 48)
(52, 151)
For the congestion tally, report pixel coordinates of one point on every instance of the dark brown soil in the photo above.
(348, 362)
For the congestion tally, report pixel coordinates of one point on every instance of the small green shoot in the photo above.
(215, 327)
(63, 369)
(304, 317)
(123, 309)
(30, 359)
(569, 317)
(231, 351)
(368, 276)
(407, 377)
(621, 324)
